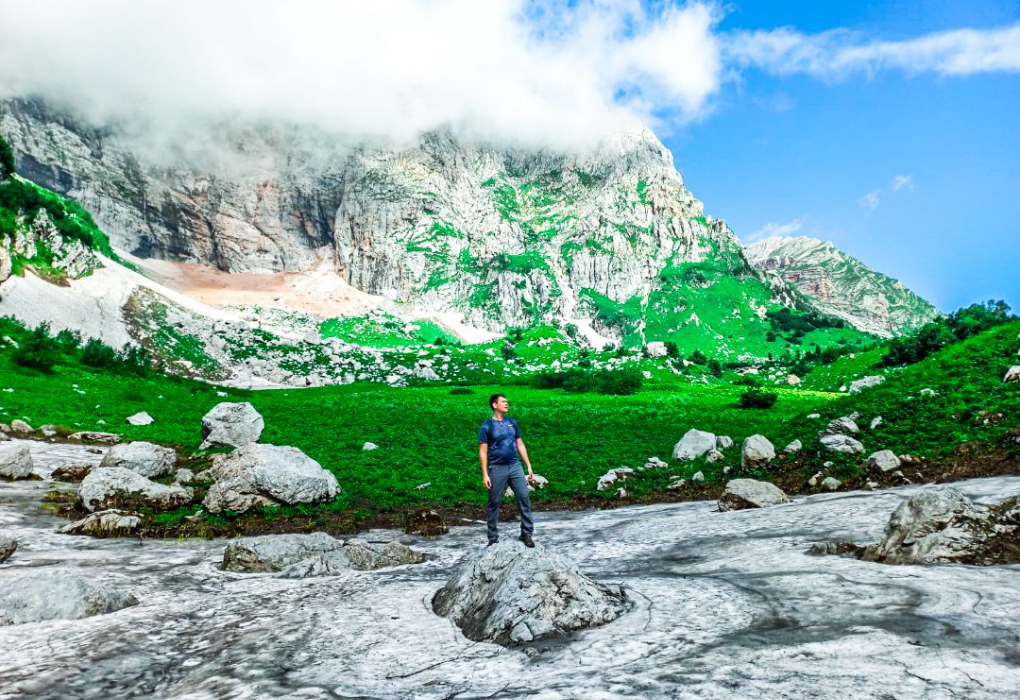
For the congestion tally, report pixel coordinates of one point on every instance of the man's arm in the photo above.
(483, 457)
(523, 452)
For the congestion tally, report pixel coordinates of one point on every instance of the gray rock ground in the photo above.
(726, 606)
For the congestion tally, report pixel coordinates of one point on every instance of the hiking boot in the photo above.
(528, 542)
(492, 542)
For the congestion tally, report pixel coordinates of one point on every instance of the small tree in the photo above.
(698, 357)
(672, 349)
(38, 350)
(99, 355)
(6, 159)
(758, 397)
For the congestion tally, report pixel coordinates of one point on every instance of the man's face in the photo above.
(502, 404)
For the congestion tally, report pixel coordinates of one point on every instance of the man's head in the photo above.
(498, 402)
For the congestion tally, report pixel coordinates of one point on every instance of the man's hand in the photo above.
(531, 474)
(487, 481)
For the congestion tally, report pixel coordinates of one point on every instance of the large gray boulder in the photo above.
(756, 451)
(149, 460)
(44, 594)
(842, 443)
(884, 461)
(263, 475)
(749, 493)
(8, 545)
(865, 382)
(511, 594)
(231, 425)
(105, 523)
(15, 460)
(942, 525)
(693, 444)
(112, 487)
(316, 554)
(845, 425)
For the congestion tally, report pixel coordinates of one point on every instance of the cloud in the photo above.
(839, 53)
(870, 201)
(771, 229)
(535, 72)
(901, 182)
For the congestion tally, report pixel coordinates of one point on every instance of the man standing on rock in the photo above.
(499, 444)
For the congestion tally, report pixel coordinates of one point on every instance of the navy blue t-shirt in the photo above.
(501, 436)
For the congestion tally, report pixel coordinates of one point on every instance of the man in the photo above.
(499, 445)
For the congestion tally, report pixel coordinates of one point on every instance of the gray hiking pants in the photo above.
(500, 475)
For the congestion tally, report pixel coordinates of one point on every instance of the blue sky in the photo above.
(820, 157)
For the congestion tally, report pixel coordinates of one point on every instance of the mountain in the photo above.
(839, 285)
(609, 242)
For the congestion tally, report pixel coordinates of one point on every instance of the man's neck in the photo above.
(496, 415)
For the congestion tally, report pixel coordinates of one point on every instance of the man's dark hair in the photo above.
(494, 398)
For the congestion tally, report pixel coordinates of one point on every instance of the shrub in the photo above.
(6, 159)
(99, 355)
(698, 357)
(461, 391)
(672, 349)
(38, 350)
(757, 397)
(621, 382)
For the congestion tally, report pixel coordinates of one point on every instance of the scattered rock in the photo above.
(831, 483)
(884, 461)
(826, 465)
(538, 482)
(369, 446)
(231, 425)
(184, 476)
(205, 475)
(842, 443)
(1012, 374)
(621, 492)
(21, 427)
(814, 416)
(44, 594)
(260, 475)
(656, 349)
(723, 442)
(654, 463)
(149, 460)
(926, 393)
(939, 525)
(748, 493)
(611, 477)
(697, 478)
(105, 523)
(901, 477)
(813, 481)
(677, 484)
(72, 473)
(510, 594)
(865, 382)
(792, 379)
(871, 485)
(426, 522)
(875, 422)
(841, 426)
(15, 461)
(756, 452)
(142, 418)
(276, 552)
(48, 430)
(693, 444)
(8, 545)
(422, 487)
(794, 446)
(835, 548)
(96, 436)
(110, 487)
(714, 456)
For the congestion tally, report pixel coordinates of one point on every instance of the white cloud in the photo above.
(838, 53)
(773, 229)
(540, 73)
(901, 182)
(871, 200)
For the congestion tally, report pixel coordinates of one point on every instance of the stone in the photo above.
(871, 485)
(884, 461)
(1012, 374)
(184, 476)
(610, 477)
(792, 380)
(926, 393)
(723, 442)
(15, 461)
(426, 522)
(511, 594)
(865, 382)
(145, 458)
(654, 463)
(941, 525)
(814, 416)
(46, 594)
(105, 523)
(677, 484)
(111, 487)
(831, 483)
(270, 553)
(693, 444)
(96, 436)
(813, 481)
(714, 456)
(231, 425)
(795, 446)
(697, 477)
(260, 475)
(841, 426)
(749, 493)
(48, 430)
(656, 349)
(8, 545)
(142, 418)
(843, 444)
(756, 452)
(422, 487)
(875, 422)
(538, 482)
(21, 427)
(621, 492)
(369, 446)
(72, 473)
(357, 556)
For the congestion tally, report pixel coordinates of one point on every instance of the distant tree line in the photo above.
(946, 330)
(40, 350)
